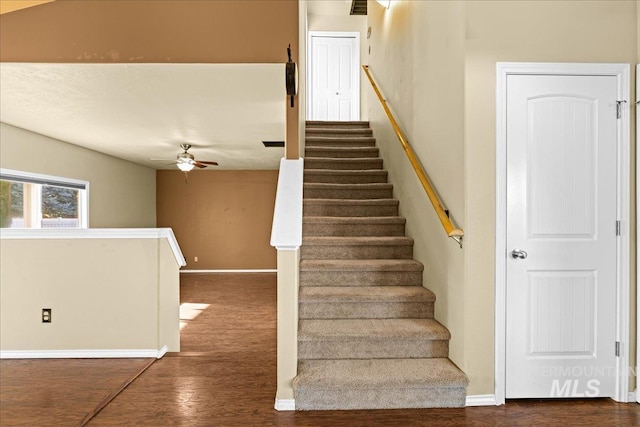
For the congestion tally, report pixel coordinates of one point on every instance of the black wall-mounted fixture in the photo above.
(273, 143)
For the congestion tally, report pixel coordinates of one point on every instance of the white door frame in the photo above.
(622, 73)
(356, 70)
(637, 218)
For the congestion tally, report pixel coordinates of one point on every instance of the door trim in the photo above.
(355, 60)
(637, 217)
(622, 73)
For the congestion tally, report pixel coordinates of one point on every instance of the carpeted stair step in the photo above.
(338, 131)
(371, 338)
(339, 141)
(353, 226)
(379, 384)
(369, 272)
(322, 190)
(365, 302)
(342, 164)
(337, 124)
(367, 338)
(341, 152)
(345, 176)
(343, 207)
(394, 247)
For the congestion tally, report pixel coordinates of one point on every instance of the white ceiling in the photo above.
(142, 111)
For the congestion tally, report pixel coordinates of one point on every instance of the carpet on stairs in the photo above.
(367, 336)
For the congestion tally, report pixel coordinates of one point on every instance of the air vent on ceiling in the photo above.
(273, 143)
(358, 7)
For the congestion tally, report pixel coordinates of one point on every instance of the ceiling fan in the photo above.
(186, 161)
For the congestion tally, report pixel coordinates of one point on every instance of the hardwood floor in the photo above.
(225, 375)
(60, 392)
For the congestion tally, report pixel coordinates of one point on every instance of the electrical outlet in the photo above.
(46, 315)
(195, 259)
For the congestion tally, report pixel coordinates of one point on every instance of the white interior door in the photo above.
(334, 89)
(561, 268)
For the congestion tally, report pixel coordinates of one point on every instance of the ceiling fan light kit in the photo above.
(186, 161)
(185, 167)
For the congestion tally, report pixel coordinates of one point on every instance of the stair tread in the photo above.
(345, 160)
(371, 329)
(356, 186)
(354, 220)
(336, 123)
(361, 265)
(357, 240)
(346, 148)
(351, 201)
(327, 294)
(379, 374)
(349, 172)
(334, 130)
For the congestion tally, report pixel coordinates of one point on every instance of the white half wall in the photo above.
(105, 293)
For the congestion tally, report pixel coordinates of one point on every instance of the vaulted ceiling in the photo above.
(134, 79)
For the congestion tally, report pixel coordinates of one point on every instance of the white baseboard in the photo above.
(162, 352)
(82, 354)
(481, 400)
(267, 270)
(490, 399)
(285, 405)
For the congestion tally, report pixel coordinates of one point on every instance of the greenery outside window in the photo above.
(30, 200)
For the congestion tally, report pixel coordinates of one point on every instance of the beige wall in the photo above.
(417, 58)
(599, 31)
(221, 31)
(105, 294)
(121, 193)
(168, 31)
(222, 217)
(447, 51)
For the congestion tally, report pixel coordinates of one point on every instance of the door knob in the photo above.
(518, 254)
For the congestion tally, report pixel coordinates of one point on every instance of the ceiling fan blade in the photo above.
(207, 163)
(199, 165)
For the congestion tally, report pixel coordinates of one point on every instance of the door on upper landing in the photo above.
(562, 134)
(334, 76)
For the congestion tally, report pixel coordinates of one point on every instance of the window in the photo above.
(39, 201)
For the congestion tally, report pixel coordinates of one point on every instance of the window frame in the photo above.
(52, 180)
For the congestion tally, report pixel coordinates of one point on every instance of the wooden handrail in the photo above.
(455, 233)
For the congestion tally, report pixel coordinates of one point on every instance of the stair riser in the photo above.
(349, 210)
(356, 252)
(360, 278)
(365, 164)
(368, 310)
(372, 349)
(353, 230)
(316, 141)
(369, 152)
(336, 124)
(352, 193)
(310, 132)
(325, 178)
(380, 398)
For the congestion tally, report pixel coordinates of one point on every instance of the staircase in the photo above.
(367, 338)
